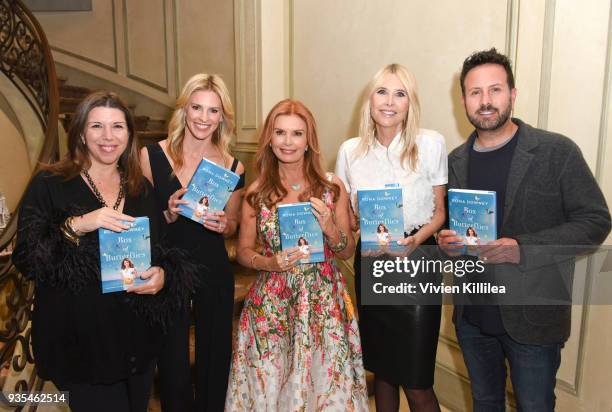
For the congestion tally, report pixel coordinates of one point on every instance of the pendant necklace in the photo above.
(296, 186)
(97, 192)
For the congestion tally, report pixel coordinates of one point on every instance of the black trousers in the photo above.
(213, 312)
(130, 395)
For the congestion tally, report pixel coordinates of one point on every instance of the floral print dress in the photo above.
(297, 347)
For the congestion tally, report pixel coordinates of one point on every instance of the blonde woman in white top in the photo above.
(393, 149)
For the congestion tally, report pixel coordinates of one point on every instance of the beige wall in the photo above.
(149, 46)
(14, 162)
(339, 45)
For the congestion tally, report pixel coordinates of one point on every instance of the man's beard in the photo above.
(490, 124)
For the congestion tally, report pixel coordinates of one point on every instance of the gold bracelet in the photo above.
(68, 233)
(69, 226)
(253, 261)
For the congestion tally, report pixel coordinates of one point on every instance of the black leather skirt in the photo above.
(399, 343)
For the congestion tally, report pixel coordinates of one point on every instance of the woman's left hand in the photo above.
(324, 216)
(215, 221)
(156, 279)
(409, 244)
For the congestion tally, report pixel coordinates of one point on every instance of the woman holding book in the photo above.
(99, 347)
(297, 345)
(391, 150)
(201, 127)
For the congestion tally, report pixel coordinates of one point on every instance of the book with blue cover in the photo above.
(299, 227)
(124, 255)
(208, 191)
(473, 215)
(381, 220)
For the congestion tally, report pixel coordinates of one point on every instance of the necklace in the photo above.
(99, 196)
(296, 186)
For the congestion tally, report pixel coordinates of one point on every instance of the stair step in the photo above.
(141, 122)
(151, 136)
(68, 90)
(69, 104)
(157, 124)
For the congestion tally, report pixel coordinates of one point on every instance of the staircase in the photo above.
(149, 130)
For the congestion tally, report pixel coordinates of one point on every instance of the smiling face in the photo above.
(106, 135)
(289, 141)
(389, 103)
(203, 114)
(488, 99)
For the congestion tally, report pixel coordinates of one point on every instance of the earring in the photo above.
(306, 149)
(82, 139)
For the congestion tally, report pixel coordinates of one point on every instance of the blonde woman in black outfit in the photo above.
(201, 126)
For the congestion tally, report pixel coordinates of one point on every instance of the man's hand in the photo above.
(502, 250)
(450, 243)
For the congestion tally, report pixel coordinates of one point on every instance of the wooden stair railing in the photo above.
(25, 59)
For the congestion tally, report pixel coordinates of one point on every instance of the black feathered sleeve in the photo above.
(181, 277)
(41, 251)
(181, 272)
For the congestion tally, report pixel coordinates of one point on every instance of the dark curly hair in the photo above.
(491, 56)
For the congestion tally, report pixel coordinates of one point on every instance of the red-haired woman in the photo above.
(297, 346)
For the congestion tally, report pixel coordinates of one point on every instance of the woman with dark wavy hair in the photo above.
(101, 348)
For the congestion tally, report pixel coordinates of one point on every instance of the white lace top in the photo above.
(381, 165)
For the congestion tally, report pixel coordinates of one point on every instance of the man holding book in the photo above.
(546, 196)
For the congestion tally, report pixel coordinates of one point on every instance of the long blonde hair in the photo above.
(410, 125)
(176, 129)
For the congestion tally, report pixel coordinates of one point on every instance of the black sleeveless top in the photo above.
(205, 247)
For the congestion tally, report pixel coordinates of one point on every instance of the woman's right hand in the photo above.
(104, 217)
(285, 260)
(173, 204)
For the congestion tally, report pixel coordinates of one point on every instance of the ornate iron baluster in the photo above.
(26, 60)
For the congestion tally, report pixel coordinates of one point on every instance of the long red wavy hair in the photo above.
(270, 190)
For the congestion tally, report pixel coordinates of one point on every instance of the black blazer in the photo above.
(552, 198)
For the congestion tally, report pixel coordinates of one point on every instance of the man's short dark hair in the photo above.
(491, 56)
